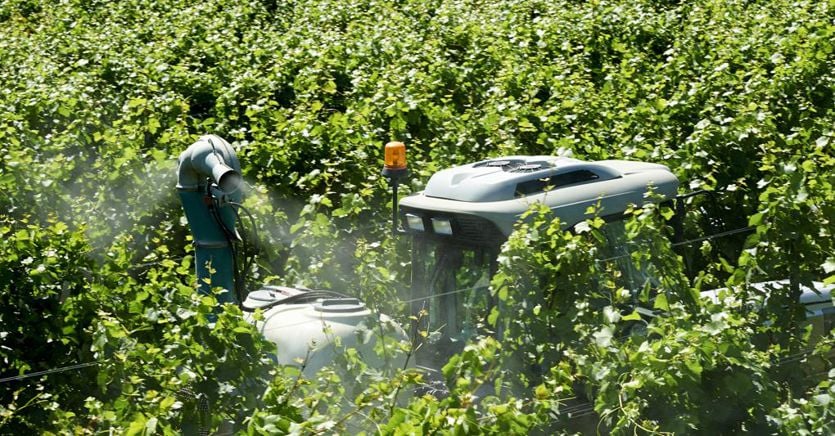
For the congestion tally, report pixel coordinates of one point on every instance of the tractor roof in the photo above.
(518, 176)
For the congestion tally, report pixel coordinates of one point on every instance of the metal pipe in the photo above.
(394, 223)
(207, 163)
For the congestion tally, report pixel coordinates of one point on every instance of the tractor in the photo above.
(457, 226)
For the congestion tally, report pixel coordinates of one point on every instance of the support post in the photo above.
(394, 225)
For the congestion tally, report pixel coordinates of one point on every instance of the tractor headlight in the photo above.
(414, 222)
(442, 226)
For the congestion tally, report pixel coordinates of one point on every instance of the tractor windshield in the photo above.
(451, 278)
(450, 292)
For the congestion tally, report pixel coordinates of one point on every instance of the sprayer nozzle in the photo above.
(227, 179)
(230, 182)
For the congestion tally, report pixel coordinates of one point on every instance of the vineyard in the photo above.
(101, 327)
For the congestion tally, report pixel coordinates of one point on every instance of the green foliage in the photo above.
(95, 263)
(41, 268)
(652, 373)
(811, 415)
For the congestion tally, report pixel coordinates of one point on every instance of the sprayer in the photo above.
(309, 327)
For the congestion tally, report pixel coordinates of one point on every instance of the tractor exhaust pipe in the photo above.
(209, 182)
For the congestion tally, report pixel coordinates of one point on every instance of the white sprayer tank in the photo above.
(310, 332)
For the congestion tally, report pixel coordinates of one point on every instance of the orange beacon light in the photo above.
(395, 157)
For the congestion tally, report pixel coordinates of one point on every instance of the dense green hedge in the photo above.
(97, 98)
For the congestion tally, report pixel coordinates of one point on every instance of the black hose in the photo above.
(249, 250)
(231, 238)
(306, 297)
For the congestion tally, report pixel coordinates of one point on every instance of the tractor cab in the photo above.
(459, 222)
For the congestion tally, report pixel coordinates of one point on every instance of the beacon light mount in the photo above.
(395, 170)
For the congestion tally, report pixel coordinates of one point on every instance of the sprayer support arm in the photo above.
(209, 185)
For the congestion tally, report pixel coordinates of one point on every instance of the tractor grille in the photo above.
(466, 229)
